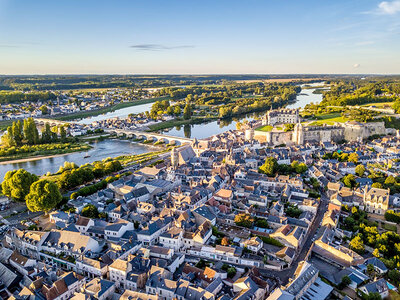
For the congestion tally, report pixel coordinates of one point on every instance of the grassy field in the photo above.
(265, 128)
(329, 119)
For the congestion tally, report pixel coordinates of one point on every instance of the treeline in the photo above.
(7, 97)
(26, 133)
(222, 94)
(358, 92)
(72, 176)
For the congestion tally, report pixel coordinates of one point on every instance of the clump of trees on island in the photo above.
(26, 133)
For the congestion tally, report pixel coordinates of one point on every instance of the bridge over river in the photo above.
(135, 134)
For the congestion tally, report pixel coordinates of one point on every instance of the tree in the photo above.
(353, 157)
(360, 170)
(17, 132)
(270, 166)
(17, 183)
(90, 211)
(231, 272)
(345, 282)
(7, 138)
(357, 245)
(177, 110)
(30, 132)
(187, 112)
(63, 133)
(390, 180)
(44, 195)
(44, 109)
(371, 270)
(350, 181)
(244, 220)
(373, 296)
(47, 134)
(377, 185)
(225, 241)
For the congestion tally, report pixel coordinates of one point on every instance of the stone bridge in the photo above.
(154, 136)
(52, 122)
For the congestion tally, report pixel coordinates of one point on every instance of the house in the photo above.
(63, 288)
(379, 266)
(380, 286)
(254, 244)
(118, 272)
(291, 236)
(100, 289)
(172, 238)
(376, 200)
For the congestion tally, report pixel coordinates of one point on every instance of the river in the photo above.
(200, 131)
(100, 150)
(120, 113)
(113, 148)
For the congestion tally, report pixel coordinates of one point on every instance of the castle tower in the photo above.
(249, 134)
(298, 134)
(174, 158)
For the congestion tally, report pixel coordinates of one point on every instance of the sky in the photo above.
(199, 37)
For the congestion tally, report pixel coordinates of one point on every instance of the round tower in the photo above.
(174, 157)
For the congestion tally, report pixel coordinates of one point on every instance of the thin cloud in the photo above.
(159, 47)
(386, 8)
(8, 46)
(356, 66)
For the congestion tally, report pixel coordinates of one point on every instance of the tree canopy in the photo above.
(17, 183)
(44, 195)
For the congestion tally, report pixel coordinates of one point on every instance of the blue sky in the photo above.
(199, 37)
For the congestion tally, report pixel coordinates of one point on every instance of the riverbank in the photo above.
(45, 153)
(96, 112)
(180, 122)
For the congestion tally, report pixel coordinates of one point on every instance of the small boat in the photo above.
(86, 155)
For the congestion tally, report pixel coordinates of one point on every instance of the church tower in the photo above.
(174, 158)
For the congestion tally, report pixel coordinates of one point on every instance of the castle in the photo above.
(302, 134)
(282, 116)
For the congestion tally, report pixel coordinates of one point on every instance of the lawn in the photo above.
(329, 119)
(265, 128)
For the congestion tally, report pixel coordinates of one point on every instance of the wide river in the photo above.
(113, 148)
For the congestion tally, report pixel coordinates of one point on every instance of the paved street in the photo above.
(288, 273)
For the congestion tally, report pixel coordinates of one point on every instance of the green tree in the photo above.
(44, 195)
(377, 185)
(17, 183)
(47, 134)
(17, 132)
(244, 220)
(371, 270)
(30, 132)
(187, 112)
(353, 157)
(349, 181)
(7, 139)
(360, 170)
(63, 133)
(177, 110)
(345, 282)
(357, 245)
(44, 109)
(390, 180)
(90, 211)
(270, 166)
